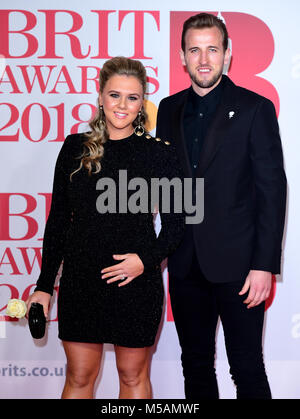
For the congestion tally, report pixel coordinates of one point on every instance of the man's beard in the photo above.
(205, 84)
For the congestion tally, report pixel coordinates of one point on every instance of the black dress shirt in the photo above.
(198, 114)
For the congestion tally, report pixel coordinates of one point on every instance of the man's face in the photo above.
(204, 58)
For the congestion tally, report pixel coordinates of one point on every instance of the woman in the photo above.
(111, 288)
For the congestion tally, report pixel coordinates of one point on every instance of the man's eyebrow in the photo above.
(209, 46)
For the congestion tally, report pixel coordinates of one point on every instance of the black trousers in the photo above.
(197, 305)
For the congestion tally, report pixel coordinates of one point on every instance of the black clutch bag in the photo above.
(37, 321)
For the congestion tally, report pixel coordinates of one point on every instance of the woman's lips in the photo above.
(120, 115)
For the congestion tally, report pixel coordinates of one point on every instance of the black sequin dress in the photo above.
(89, 309)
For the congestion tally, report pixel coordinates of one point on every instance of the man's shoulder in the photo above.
(175, 98)
(249, 96)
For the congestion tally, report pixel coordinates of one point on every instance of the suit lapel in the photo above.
(226, 110)
(178, 135)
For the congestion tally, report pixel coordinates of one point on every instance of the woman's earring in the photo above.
(102, 122)
(139, 129)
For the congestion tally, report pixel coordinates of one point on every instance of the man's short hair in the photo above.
(201, 21)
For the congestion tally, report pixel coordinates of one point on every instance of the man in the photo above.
(229, 136)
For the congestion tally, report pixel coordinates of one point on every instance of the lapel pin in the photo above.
(231, 113)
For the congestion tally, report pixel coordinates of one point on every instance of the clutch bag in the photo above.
(37, 321)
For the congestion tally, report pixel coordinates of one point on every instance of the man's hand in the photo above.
(259, 285)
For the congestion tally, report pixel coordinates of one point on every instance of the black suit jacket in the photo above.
(244, 186)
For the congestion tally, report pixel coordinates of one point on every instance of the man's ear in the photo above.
(181, 53)
(227, 56)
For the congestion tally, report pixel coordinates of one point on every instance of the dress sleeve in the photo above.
(57, 223)
(167, 167)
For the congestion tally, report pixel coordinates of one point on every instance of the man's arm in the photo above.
(270, 189)
(270, 201)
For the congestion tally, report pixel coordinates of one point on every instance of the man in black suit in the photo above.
(229, 136)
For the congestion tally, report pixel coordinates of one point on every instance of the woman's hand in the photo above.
(130, 268)
(39, 297)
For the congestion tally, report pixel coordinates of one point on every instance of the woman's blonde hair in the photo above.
(93, 146)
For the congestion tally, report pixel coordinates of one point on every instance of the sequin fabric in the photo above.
(89, 309)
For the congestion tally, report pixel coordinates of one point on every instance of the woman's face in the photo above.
(122, 99)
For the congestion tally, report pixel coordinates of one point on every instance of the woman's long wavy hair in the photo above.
(93, 146)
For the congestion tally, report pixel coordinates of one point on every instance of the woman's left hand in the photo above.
(130, 267)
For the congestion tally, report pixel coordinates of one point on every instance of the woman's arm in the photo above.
(57, 223)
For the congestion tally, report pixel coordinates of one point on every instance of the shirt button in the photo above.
(196, 140)
(195, 166)
(201, 115)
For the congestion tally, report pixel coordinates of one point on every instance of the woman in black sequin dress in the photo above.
(111, 288)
